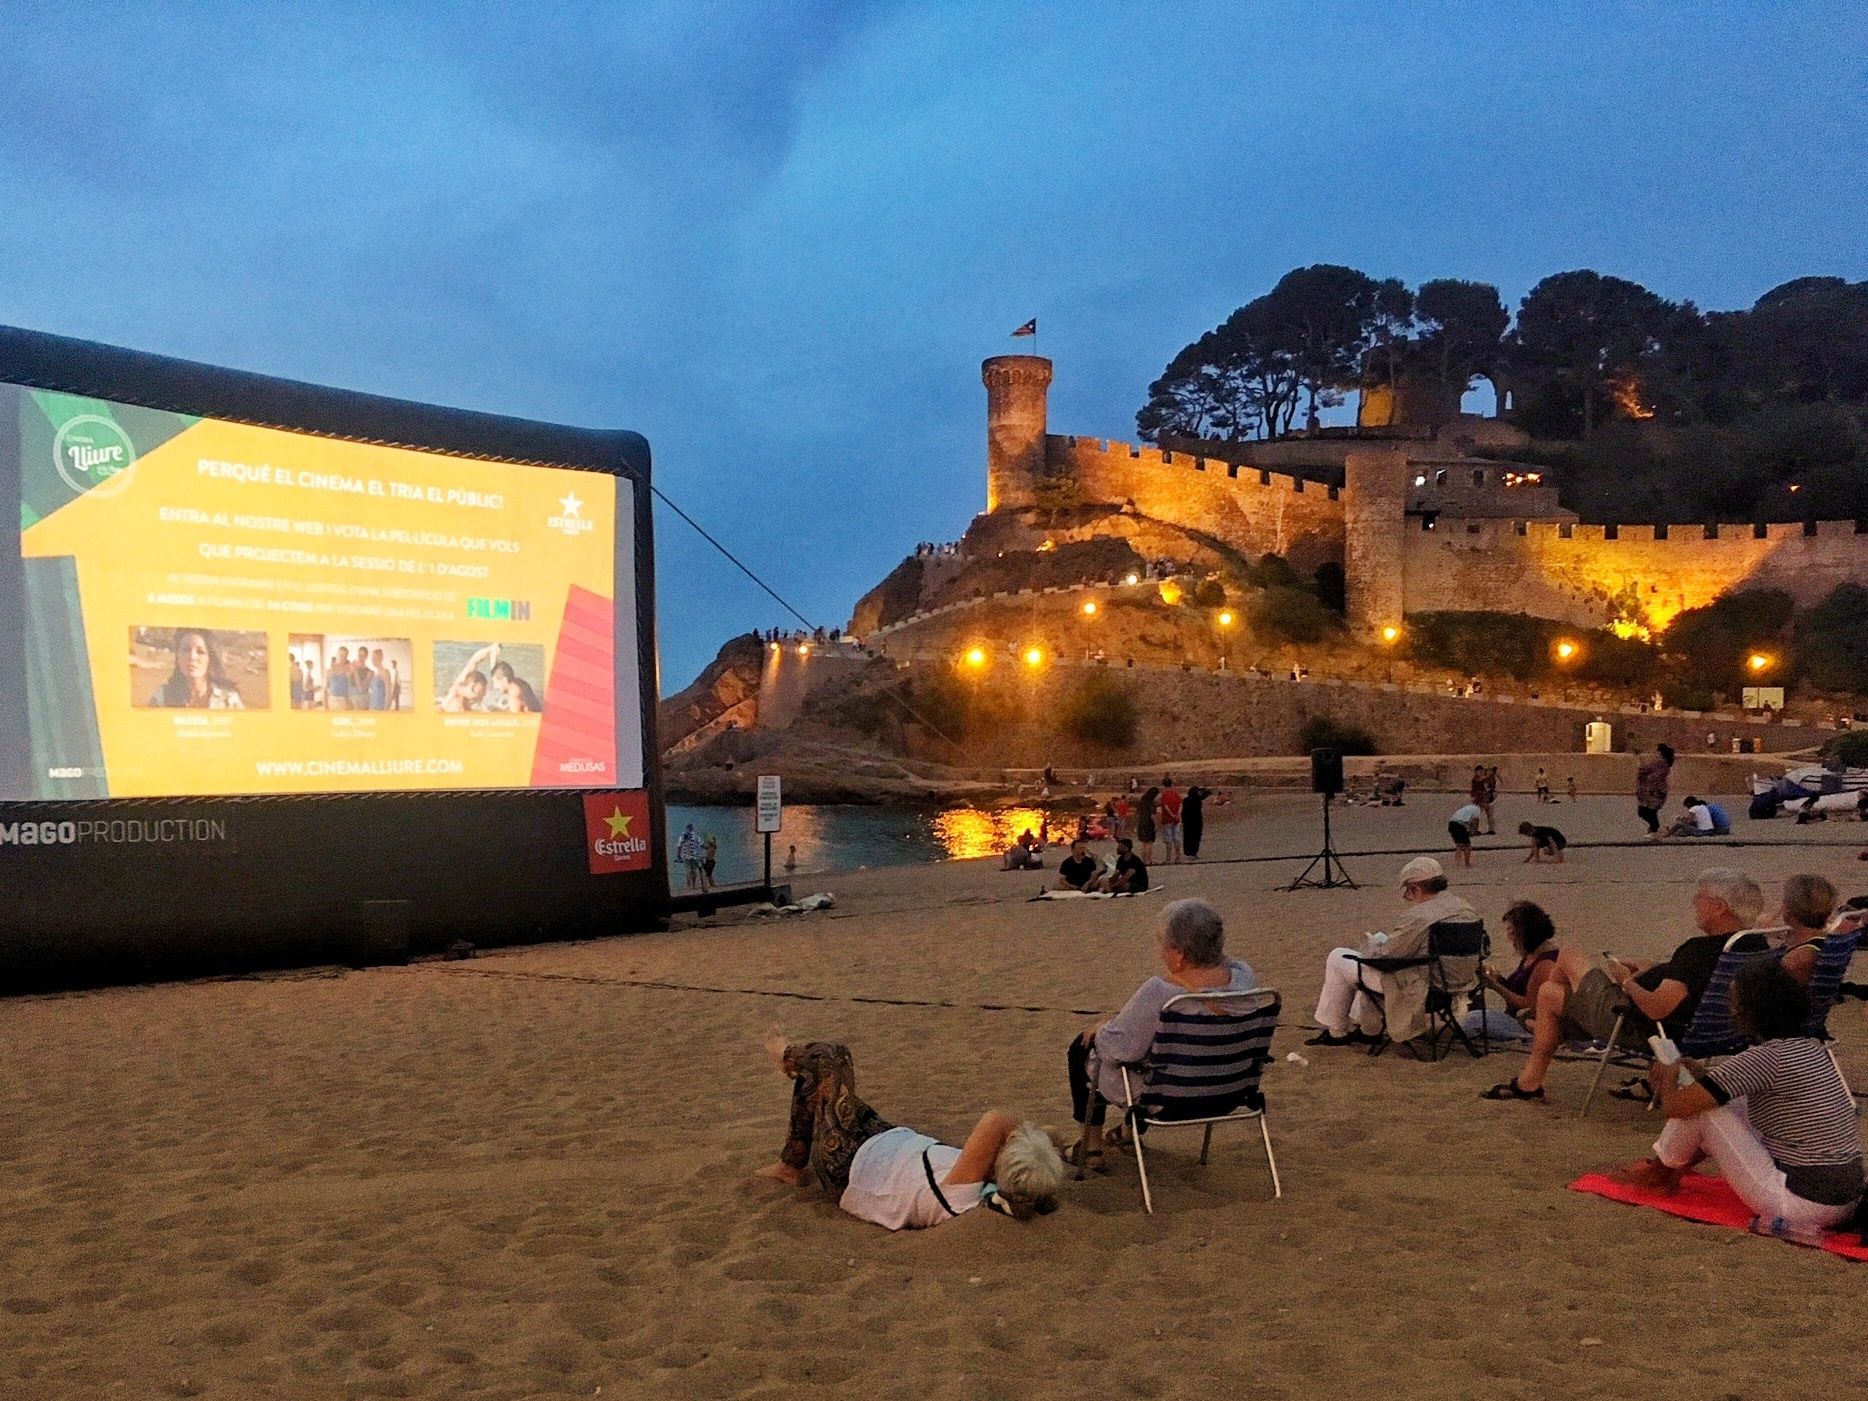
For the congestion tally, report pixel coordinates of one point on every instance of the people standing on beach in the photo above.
(1542, 784)
(1125, 817)
(791, 860)
(1490, 791)
(1475, 790)
(710, 856)
(688, 853)
(1170, 822)
(1146, 808)
(1572, 788)
(894, 1176)
(1193, 820)
(1650, 786)
(1460, 827)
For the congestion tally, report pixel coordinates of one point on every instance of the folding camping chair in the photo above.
(1711, 1032)
(1833, 956)
(1456, 949)
(1203, 1069)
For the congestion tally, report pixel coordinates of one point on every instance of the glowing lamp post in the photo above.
(975, 657)
(1225, 618)
(1034, 657)
(1089, 609)
(1757, 663)
(1390, 635)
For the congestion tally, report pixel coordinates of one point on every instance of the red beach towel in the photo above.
(1706, 1199)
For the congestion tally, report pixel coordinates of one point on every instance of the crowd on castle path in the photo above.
(928, 549)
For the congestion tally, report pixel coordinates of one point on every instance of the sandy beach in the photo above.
(530, 1174)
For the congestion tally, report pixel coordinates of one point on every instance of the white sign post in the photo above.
(770, 819)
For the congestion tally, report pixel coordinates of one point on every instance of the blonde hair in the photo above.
(1028, 1171)
(1808, 901)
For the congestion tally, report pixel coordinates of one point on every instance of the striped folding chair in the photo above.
(1202, 1070)
(1711, 1032)
(1833, 957)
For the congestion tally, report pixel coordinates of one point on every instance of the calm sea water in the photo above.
(843, 838)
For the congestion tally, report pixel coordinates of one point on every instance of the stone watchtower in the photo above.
(1017, 387)
(1374, 519)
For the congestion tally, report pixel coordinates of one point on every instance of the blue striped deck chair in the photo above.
(1711, 1032)
(1203, 1069)
(1833, 956)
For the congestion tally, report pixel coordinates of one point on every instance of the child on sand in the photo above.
(1546, 842)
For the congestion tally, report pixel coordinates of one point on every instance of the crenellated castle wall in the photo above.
(1593, 574)
(1256, 512)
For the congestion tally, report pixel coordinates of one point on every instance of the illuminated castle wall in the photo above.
(1415, 528)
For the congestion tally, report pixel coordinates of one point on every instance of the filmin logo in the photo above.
(93, 454)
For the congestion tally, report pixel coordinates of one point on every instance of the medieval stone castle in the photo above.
(1418, 518)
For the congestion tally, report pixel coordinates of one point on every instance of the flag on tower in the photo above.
(1030, 328)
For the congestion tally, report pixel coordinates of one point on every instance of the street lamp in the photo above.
(1566, 650)
(1391, 634)
(1225, 617)
(1757, 662)
(1089, 609)
(1034, 656)
(975, 657)
(1132, 579)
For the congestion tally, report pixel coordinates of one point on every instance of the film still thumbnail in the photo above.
(497, 677)
(192, 668)
(350, 671)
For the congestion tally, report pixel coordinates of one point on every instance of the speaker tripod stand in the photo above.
(1327, 862)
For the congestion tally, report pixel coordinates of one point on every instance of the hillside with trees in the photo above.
(1645, 408)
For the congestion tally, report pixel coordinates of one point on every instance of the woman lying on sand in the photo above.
(896, 1177)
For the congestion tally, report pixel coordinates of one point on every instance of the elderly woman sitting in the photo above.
(1347, 1013)
(1193, 952)
(894, 1176)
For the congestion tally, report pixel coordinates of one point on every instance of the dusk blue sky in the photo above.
(778, 239)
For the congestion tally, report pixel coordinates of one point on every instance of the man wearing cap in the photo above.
(1347, 1014)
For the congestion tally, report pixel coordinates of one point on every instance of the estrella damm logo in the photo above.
(503, 610)
(92, 453)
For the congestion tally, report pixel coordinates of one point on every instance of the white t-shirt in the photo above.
(889, 1184)
(1468, 816)
(1702, 816)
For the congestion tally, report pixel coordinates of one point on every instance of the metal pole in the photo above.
(768, 865)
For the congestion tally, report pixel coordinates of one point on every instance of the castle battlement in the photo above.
(1413, 528)
(1068, 453)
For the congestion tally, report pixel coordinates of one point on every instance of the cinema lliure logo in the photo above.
(92, 453)
(570, 518)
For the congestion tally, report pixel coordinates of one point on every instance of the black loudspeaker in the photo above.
(1326, 771)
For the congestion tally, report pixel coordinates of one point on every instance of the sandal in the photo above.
(1511, 1089)
(1084, 1159)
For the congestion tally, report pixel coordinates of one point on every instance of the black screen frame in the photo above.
(292, 879)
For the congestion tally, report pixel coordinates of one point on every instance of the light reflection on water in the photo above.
(844, 838)
(968, 832)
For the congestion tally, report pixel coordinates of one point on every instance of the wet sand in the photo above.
(530, 1174)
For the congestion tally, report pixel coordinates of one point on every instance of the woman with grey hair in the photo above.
(1193, 951)
(895, 1176)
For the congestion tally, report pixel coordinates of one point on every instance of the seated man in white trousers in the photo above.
(1347, 1014)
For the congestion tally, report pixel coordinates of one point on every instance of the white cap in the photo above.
(1419, 869)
